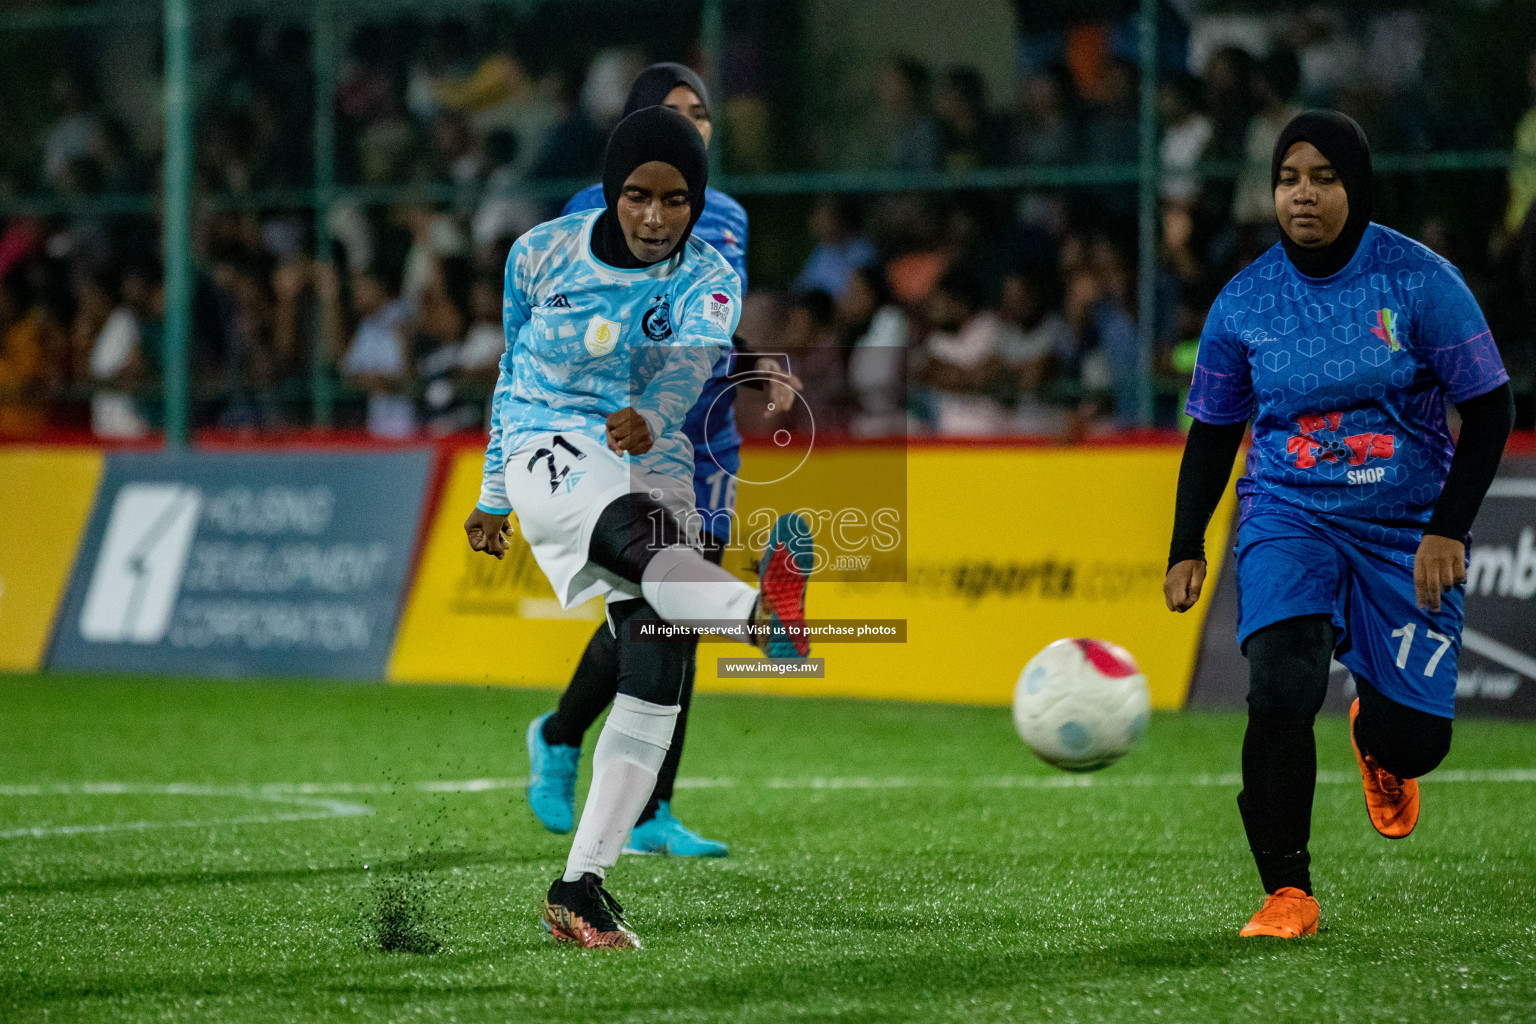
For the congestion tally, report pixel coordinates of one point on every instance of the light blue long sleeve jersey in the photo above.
(585, 340)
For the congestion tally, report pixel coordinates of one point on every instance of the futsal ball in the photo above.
(1081, 704)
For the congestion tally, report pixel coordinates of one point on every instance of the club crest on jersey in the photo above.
(718, 310)
(1386, 329)
(657, 322)
(602, 335)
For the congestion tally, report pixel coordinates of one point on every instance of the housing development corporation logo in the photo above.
(143, 558)
(1386, 329)
(1308, 448)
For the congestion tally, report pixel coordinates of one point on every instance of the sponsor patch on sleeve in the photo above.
(717, 308)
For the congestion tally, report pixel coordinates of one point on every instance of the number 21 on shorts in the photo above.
(1407, 632)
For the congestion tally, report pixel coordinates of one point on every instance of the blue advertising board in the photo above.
(244, 564)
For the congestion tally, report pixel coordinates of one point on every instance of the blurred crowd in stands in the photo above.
(958, 311)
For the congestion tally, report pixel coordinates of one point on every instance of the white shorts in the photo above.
(558, 484)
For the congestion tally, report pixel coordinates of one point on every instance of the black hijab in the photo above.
(650, 133)
(1343, 143)
(656, 81)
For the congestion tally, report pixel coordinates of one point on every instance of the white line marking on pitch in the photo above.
(306, 794)
(314, 809)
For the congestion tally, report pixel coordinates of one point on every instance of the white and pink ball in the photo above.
(1080, 705)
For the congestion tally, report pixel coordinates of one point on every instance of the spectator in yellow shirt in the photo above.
(23, 372)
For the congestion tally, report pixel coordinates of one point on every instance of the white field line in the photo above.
(311, 796)
(296, 792)
(313, 809)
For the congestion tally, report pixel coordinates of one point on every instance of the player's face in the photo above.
(686, 102)
(654, 208)
(1310, 199)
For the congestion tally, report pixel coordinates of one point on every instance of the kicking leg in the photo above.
(1288, 679)
(637, 538)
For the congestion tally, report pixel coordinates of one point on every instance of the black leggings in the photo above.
(1287, 681)
(597, 678)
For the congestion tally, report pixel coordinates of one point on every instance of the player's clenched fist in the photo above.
(487, 532)
(1439, 565)
(628, 432)
(1181, 587)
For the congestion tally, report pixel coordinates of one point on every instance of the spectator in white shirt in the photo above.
(971, 359)
(376, 359)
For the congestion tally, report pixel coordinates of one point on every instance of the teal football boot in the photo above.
(551, 778)
(664, 834)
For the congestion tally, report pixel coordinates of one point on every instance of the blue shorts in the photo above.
(1292, 563)
(715, 469)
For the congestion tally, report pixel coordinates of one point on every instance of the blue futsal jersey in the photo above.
(723, 224)
(1346, 379)
(585, 340)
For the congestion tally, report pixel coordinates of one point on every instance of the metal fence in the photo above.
(179, 20)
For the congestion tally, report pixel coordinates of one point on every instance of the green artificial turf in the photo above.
(889, 862)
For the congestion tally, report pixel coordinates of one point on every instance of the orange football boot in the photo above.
(1286, 914)
(1392, 803)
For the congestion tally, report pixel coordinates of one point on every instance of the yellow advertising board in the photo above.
(45, 499)
(1005, 549)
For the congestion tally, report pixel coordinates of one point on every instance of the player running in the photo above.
(586, 446)
(1342, 344)
(554, 738)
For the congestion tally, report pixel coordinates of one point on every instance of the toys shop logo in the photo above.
(1308, 449)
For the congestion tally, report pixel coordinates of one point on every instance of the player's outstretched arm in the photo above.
(487, 532)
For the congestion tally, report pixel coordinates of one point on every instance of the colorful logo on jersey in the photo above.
(1308, 449)
(730, 239)
(657, 322)
(719, 310)
(602, 335)
(1386, 329)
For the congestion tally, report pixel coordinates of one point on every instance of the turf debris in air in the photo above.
(402, 917)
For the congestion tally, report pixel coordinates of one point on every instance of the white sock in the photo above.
(628, 757)
(682, 585)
